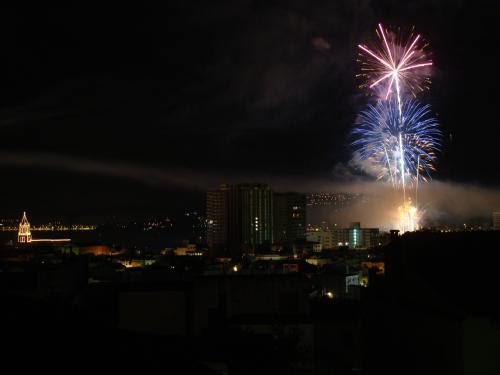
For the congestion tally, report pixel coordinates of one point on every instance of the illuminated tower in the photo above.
(24, 234)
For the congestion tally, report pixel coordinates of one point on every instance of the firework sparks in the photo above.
(395, 148)
(409, 217)
(397, 138)
(395, 64)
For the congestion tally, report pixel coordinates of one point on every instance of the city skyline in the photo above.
(248, 187)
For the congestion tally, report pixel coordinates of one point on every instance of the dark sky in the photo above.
(133, 111)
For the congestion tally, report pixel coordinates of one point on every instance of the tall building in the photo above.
(239, 215)
(256, 214)
(289, 223)
(24, 233)
(217, 217)
(496, 220)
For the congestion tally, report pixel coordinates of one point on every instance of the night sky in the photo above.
(136, 111)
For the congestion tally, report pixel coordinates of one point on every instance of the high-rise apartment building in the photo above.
(289, 222)
(239, 215)
(217, 216)
(256, 212)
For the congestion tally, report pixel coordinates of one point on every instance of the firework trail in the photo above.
(397, 149)
(393, 65)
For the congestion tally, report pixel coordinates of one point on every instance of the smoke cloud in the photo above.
(375, 203)
(441, 203)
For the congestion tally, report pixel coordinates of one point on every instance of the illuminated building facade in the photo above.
(356, 237)
(323, 236)
(340, 236)
(24, 233)
(256, 214)
(289, 217)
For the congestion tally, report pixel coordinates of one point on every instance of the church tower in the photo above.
(24, 233)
